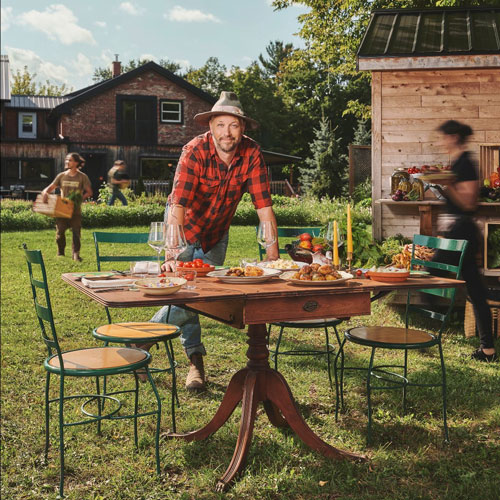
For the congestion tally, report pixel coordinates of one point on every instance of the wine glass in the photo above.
(156, 238)
(329, 236)
(266, 234)
(175, 241)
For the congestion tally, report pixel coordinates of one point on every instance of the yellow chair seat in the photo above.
(389, 335)
(99, 358)
(138, 331)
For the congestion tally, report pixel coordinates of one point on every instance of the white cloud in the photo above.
(58, 23)
(6, 17)
(131, 9)
(180, 14)
(149, 57)
(183, 63)
(100, 24)
(83, 66)
(45, 70)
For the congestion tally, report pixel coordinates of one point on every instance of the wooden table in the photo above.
(255, 305)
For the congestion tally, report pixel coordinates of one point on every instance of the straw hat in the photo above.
(228, 104)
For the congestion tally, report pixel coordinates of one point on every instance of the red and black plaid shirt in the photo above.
(210, 191)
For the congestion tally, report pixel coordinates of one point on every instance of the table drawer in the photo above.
(304, 308)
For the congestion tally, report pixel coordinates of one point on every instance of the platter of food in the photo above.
(201, 268)
(388, 274)
(282, 264)
(244, 275)
(316, 275)
(160, 286)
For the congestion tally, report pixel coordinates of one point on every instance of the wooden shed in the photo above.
(429, 66)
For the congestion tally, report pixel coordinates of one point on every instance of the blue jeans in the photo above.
(188, 321)
(117, 194)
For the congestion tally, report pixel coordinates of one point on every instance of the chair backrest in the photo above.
(41, 299)
(448, 259)
(290, 233)
(119, 238)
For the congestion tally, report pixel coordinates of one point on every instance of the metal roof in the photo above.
(432, 32)
(35, 102)
(4, 78)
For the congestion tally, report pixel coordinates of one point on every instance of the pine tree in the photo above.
(325, 170)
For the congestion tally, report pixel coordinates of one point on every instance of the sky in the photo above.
(65, 41)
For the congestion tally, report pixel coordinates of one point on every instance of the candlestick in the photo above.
(335, 245)
(349, 261)
(349, 229)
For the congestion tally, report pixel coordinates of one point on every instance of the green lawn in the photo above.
(407, 459)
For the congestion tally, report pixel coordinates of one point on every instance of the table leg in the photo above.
(259, 383)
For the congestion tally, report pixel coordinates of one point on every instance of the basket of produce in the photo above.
(56, 206)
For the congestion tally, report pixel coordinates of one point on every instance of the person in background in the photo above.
(214, 171)
(461, 198)
(118, 180)
(74, 185)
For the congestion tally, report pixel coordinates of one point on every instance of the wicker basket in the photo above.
(470, 320)
(55, 206)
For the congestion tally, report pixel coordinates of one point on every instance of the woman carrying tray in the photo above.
(74, 185)
(461, 194)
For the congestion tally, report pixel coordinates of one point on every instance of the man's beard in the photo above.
(227, 149)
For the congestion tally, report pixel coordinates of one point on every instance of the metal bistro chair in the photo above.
(86, 362)
(136, 332)
(288, 232)
(387, 337)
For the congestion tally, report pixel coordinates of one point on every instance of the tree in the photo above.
(277, 53)
(25, 84)
(324, 173)
(103, 74)
(211, 77)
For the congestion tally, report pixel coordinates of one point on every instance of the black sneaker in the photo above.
(479, 355)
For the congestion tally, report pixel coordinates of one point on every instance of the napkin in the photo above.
(146, 267)
(107, 283)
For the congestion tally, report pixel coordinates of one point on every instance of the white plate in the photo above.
(288, 277)
(220, 274)
(265, 265)
(142, 285)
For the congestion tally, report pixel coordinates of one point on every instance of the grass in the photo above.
(408, 459)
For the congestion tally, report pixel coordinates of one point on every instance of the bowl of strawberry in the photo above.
(201, 268)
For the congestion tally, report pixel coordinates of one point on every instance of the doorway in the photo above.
(96, 169)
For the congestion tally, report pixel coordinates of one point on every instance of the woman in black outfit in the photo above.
(461, 199)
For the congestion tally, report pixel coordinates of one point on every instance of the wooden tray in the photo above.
(55, 206)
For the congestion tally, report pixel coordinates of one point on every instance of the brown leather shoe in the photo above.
(195, 380)
(76, 256)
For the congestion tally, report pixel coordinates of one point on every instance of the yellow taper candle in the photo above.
(349, 229)
(335, 244)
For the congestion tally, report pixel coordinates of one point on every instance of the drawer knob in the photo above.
(310, 306)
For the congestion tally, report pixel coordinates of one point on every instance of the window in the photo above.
(34, 174)
(171, 112)
(158, 168)
(27, 125)
(136, 119)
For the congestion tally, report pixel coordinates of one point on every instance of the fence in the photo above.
(153, 187)
(360, 165)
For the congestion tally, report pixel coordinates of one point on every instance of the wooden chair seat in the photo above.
(137, 331)
(315, 322)
(100, 358)
(389, 335)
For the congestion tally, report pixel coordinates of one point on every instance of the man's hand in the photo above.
(168, 266)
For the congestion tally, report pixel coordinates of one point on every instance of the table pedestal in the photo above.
(254, 384)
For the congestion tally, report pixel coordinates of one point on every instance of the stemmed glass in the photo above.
(266, 234)
(329, 236)
(175, 241)
(156, 238)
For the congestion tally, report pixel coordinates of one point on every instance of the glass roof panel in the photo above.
(429, 33)
(376, 38)
(483, 32)
(404, 34)
(458, 37)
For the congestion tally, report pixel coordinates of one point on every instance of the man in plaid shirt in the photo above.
(214, 171)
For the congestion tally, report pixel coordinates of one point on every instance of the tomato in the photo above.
(162, 275)
(359, 272)
(197, 263)
(305, 244)
(180, 263)
(205, 265)
(305, 237)
(189, 265)
(317, 248)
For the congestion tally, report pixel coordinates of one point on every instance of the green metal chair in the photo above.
(86, 362)
(406, 339)
(324, 324)
(141, 335)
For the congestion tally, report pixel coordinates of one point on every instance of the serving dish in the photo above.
(200, 271)
(220, 274)
(288, 277)
(288, 265)
(98, 275)
(388, 277)
(160, 286)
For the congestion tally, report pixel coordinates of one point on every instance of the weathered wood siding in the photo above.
(407, 107)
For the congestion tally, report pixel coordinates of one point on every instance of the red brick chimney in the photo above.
(117, 67)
